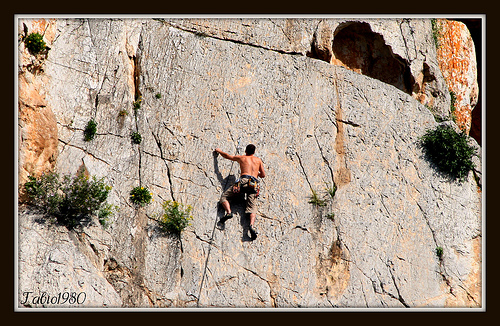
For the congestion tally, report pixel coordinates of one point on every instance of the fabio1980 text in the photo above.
(28, 298)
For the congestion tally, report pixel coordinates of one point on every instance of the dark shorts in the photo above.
(251, 202)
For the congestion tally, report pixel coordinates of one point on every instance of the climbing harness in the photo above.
(251, 186)
(213, 231)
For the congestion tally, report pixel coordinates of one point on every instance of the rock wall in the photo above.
(226, 83)
(457, 59)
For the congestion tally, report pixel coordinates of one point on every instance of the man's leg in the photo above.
(226, 206)
(252, 219)
(225, 203)
(252, 210)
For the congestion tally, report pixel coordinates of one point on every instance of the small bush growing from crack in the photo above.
(176, 216)
(141, 196)
(35, 43)
(315, 200)
(449, 151)
(137, 104)
(136, 137)
(90, 130)
(71, 200)
(122, 113)
(439, 252)
(158, 95)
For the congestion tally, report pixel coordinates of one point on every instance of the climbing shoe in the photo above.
(253, 233)
(226, 217)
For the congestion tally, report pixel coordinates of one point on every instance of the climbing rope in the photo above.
(213, 230)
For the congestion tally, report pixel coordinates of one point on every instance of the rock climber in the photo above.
(251, 167)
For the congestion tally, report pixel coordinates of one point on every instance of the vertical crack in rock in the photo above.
(325, 159)
(343, 175)
(169, 176)
(303, 170)
(137, 95)
(427, 222)
(399, 297)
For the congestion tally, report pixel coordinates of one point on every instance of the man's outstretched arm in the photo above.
(226, 155)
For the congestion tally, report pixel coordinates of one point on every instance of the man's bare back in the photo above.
(249, 164)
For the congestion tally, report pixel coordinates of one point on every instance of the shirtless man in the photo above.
(251, 167)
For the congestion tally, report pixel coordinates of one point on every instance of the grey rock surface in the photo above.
(227, 83)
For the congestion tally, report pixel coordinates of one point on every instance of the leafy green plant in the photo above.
(90, 130)
(44, 191)
(158, 95)
(122, 113)
(137, 104)
(176, 216)
(82, 196)
(136, 137)
(71, 200)
(315, 200)
(439, 252)
(435, 31)
(35, 43)
(106, 211)
(141, 196)
(449, 151)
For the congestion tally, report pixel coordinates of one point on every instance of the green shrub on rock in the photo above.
(176, 216)
(449, 151)
(141, 196)
(90, 130)
(136, 137)
(71, 200)
(35, 43)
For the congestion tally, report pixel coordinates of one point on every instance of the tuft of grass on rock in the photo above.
(315, 200)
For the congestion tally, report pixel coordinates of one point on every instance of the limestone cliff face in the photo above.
(457, 59)
(318, 116)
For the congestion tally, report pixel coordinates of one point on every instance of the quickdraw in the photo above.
(237, 187)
